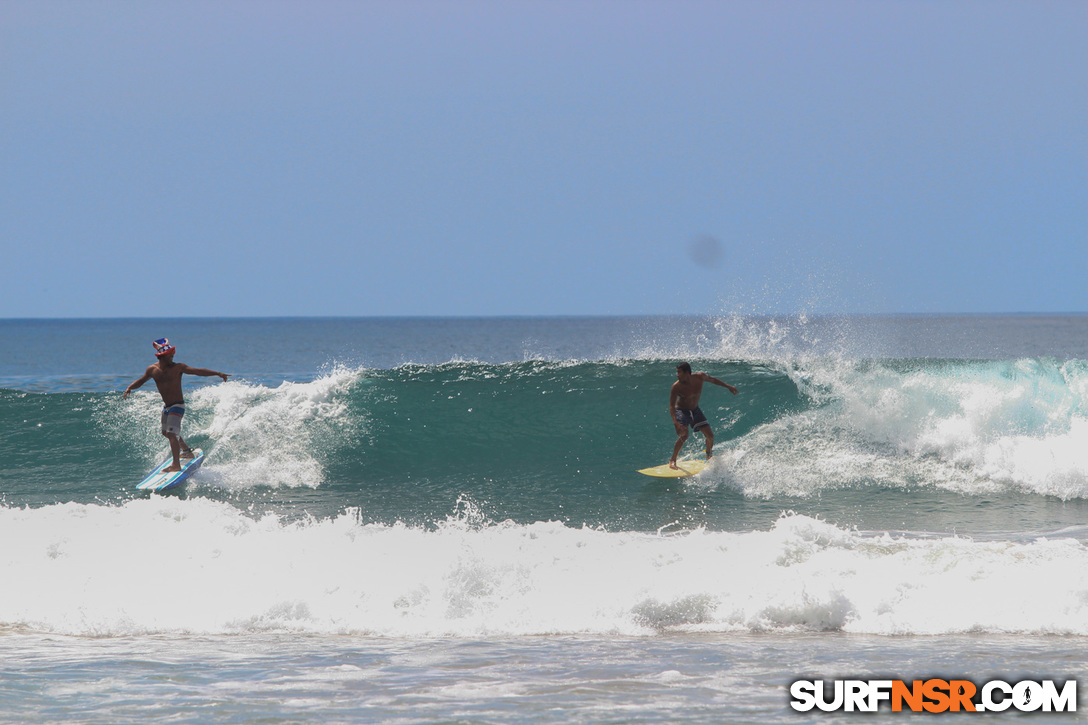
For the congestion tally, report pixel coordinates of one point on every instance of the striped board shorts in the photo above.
(171, 418)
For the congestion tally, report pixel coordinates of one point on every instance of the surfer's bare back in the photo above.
(167, 376)
(684, 408)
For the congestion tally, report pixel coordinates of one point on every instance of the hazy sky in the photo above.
(403, 157)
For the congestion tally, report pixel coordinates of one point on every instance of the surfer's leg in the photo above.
(186, 451)
(171, 428)
(709, 435)
(175, 451)
(680, 439)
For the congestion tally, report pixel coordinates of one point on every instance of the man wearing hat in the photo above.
(167, 376)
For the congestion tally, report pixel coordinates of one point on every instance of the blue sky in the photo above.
(542, 157)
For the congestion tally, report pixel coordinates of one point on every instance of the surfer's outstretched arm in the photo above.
(136, 383)
(712, 379)
(205, 373)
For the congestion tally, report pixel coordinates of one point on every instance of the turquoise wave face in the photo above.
(546, 419)
(54, 447)
(904, 444)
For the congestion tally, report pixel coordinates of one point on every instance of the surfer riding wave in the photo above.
(684, 408)
(167, 376)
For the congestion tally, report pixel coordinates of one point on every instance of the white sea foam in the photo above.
(967, 426)
(165, 565)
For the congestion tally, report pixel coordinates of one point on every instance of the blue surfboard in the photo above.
(159, 480)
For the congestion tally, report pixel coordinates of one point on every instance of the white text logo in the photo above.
(933, 695)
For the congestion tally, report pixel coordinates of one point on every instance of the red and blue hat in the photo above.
(163, 347)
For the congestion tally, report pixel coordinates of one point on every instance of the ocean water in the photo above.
(423, 520)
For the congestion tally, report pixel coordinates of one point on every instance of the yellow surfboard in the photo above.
(683, 469)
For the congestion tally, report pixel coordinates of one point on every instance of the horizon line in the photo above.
(1069, 313)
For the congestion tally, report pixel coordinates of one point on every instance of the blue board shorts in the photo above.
(171, 418)
(693, 418)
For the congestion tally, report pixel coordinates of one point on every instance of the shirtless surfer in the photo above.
(684, 408)
(167, 376)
